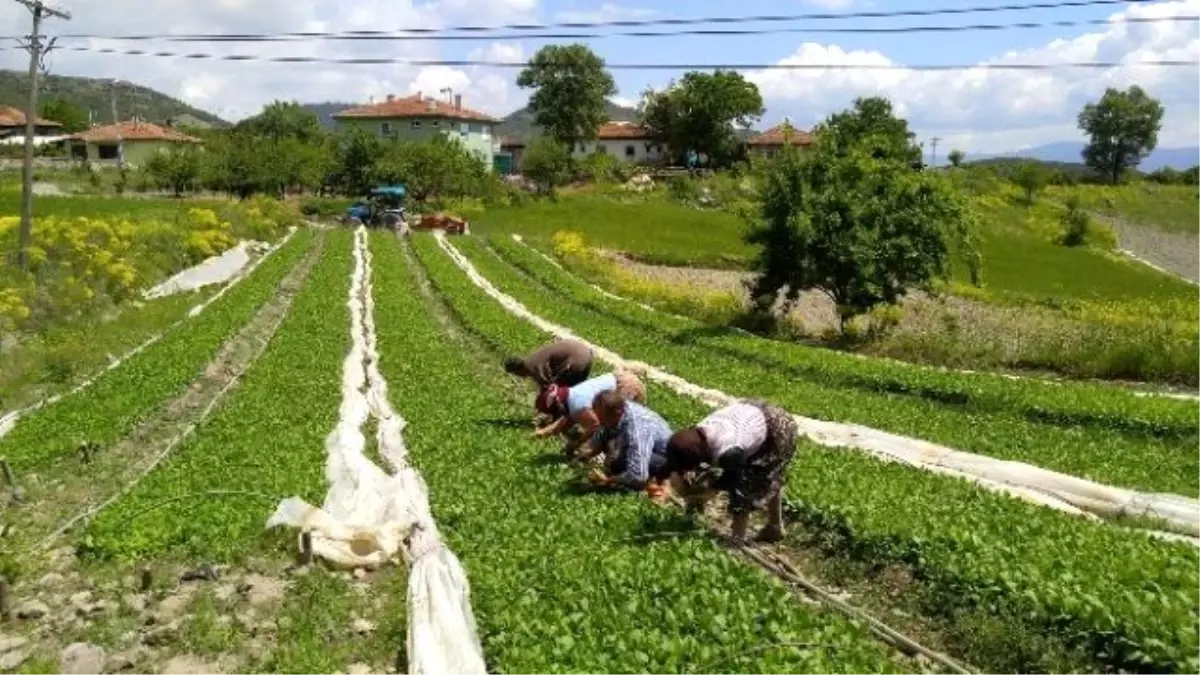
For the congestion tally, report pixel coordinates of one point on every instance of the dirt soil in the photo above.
(1173, 251)
(79, 486)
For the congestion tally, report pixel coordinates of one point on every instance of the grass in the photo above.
(1171, 208)
(649, 229)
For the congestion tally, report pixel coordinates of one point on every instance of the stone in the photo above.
(358, 669)
(120, 662)
(264, 589)
(360, 573)
(8, 644)
(81, 600)
(32, 609)
(51, 580)
(10, 661)
(187, 664)
(134, 601)
(172, 605)
(160, 635)
(81, 658)
(362, 626)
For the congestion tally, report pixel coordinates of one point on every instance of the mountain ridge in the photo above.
(96, 96)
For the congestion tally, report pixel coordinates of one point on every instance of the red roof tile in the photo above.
(414, 106)
(132, 131)
(622, 130)
(15, 117)
(774, 136)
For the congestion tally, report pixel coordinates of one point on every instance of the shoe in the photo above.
(769, 535)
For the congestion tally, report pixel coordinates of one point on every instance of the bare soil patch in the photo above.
(1175, 252)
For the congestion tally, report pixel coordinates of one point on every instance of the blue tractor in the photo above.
(382, 207)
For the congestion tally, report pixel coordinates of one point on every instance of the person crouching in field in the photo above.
(633, 438)
(573, 405)
(565, 363)
(752, 443)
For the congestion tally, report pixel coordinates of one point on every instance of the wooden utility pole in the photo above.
(933, 150)
(36, 50)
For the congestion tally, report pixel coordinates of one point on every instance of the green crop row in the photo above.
(1128, 597)
(1064, 403)
(745, 365)
(265, 443)
(562, 580)
(114, 404)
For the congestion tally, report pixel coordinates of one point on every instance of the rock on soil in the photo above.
(80, 658)
(12, 660)
(9, 644)
(358, 669)
(189, 665)
(32, 609)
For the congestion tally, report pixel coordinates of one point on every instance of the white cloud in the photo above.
(238, 89)
(606, 12)
(989, 110)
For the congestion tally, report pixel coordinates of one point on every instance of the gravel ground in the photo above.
(1175, 252)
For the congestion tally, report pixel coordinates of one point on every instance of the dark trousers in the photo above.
(574, 377)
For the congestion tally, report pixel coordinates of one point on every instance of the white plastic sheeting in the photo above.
(1178, 515)
(9, 419)
(369, 515)
(215, 270)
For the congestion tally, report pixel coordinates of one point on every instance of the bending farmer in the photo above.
(565, 363)
(752, 442)
(633, 436)
(573, 405)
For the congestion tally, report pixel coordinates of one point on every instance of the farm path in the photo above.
(1175, 252)
(58, 500)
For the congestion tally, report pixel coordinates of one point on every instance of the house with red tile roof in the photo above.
(133, 140)
(772, 140)
(419, 117)
(627, 141)
(12, 123)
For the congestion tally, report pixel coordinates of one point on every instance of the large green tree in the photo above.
(571, 85)
(438, 168)
(547, 163)
(73, 118)
(700, 112)
(853, 219)
(284, 119)
(1122, 128)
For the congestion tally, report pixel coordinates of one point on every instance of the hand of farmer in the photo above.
(657, 492)
(598, 477)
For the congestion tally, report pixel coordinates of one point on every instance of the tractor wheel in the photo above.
(391, 221)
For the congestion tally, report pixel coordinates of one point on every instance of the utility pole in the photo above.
(36, 50)
(933, 150)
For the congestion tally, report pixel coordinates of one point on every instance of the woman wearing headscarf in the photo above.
(573, 405)
(566, 363)
(751, 443)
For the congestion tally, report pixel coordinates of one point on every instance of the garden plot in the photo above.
(975, 549)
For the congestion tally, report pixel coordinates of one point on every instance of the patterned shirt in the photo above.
(580, 397)
(740, 425)
(641, 434)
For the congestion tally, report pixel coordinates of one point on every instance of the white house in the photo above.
(627, 141)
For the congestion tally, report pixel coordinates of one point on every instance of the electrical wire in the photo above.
(379, 61)
(629, 23)
(709, 32)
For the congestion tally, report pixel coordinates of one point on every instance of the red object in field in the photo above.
(442, 221)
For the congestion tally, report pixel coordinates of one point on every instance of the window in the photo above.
(108, 151)
(416, 124)
(486, 131)
(435, 124)
(601, 149)
(385, 128)
(464, 129)
(630, 151)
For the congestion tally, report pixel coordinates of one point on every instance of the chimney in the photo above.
(458, 101)
(391, 97)
(419, 96)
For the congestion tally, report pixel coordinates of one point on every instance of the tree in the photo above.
(871, 124)
(1123, 129)
(956, 157)
(547, 163)
(357, 150)
(72, 118)
(177, 169)
(432, 170)
(571, 89)
(1032, 176)
(853, 219)
(279, 120)
(700, 112)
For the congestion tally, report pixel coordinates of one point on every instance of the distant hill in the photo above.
(96, 95)
(519, 124)
(1069, 152)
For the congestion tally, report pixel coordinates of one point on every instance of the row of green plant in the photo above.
(211, 498)
(562, 579)
(1061, 403)
(1127, 598)
(116, 401)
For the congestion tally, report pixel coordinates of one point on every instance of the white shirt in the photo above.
(740, 425)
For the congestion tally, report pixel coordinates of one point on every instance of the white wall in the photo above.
(619, 149)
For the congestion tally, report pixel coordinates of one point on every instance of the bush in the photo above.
(547, 163)
(1080, 230)
(324, 207)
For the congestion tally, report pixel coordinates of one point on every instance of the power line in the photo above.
(630, 23)
(709, 32)
(377, 61)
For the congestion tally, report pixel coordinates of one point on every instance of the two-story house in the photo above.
(418, 117)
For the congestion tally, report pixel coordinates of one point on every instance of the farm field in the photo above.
(187, 460)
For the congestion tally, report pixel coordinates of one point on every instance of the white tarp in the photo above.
(370, 515)
(9, 419)
(1066, 493)
(215, 270)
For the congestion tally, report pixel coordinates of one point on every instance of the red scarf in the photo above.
(552, 400)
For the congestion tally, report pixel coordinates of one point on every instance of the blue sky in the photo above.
(976, 110)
